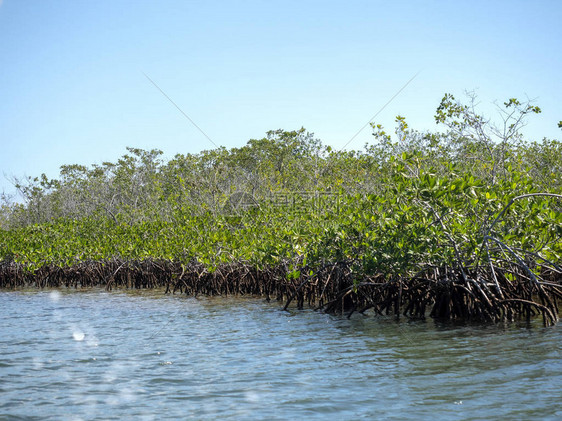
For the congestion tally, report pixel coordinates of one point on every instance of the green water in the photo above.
(97, 355)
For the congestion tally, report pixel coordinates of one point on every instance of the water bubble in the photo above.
(92, 339)
(78, 335)
(252, 396)
(37, 363)
(166, 363)
(54, 296)
(128, 395)
(458, 402)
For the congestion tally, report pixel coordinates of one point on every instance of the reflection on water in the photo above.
(97, 355)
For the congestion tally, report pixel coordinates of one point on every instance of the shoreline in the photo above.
(439, 293)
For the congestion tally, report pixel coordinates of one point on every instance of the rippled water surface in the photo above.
(97, 355)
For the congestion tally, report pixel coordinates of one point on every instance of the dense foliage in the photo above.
(413, 205)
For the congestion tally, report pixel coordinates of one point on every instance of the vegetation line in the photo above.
(414, 224)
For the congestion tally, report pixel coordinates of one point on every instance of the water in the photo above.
(97, 355)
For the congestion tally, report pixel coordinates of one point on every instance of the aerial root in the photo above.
(446, 293)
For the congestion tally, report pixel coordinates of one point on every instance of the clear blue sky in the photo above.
(72, 88)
